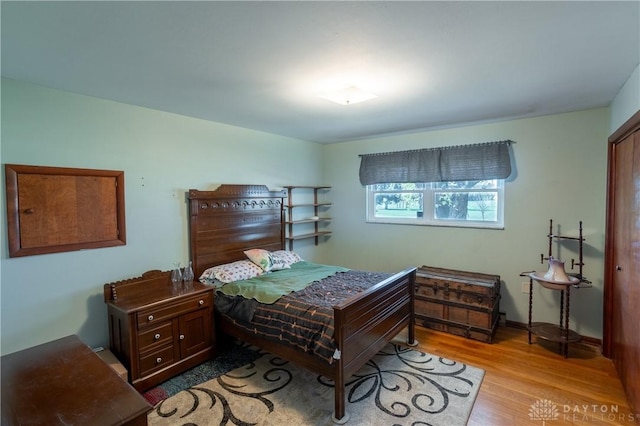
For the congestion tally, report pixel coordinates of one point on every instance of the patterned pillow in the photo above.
(288, 257)
(235, 271)
(265, 260)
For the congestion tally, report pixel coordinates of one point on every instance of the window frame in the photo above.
(428, 197)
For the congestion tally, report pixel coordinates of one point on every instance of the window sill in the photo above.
(476, 225)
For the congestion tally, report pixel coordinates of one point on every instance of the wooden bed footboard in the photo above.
(364, 325)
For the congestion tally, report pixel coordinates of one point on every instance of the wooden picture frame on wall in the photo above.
(58, 209)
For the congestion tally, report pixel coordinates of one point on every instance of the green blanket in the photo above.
(270, 287)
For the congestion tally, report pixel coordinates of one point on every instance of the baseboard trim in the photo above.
(592, 341)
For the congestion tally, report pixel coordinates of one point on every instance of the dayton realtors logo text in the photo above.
(545, 410)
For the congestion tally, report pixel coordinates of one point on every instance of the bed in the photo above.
(226, 222)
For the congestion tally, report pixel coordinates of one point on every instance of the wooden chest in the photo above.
(458, 302)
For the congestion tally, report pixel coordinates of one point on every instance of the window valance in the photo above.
(482, 161)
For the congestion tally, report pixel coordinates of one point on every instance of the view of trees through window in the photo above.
(476, 201)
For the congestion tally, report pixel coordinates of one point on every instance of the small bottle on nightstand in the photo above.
(187, 275)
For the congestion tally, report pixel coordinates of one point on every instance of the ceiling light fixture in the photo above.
(348, 96)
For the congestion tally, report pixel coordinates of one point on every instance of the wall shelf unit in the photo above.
(310, 213)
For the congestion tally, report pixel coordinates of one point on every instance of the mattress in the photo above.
(302, 319)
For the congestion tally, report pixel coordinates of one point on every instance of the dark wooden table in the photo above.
(64, 382)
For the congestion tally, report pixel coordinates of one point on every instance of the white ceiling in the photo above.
(262, 65)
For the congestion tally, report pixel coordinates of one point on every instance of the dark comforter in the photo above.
(303, 319)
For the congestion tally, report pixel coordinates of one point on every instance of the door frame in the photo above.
(630, 126)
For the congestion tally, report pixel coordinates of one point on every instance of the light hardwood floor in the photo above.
(584, 389)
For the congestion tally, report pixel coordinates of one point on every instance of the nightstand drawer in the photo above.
(157, 336)
(162, 313)
(156, 360)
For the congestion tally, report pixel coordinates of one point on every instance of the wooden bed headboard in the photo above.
(234, 218)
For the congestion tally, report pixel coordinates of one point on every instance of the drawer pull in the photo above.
(157, 336)
(182, 337)
(150, 317)
(158, 360)
(201, 302)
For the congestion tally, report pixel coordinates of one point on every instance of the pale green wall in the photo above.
(560, 174)
(163, 155)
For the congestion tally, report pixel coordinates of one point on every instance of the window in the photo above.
(459, 185)
(473, 203)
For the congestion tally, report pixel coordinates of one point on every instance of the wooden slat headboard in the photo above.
(233, 218)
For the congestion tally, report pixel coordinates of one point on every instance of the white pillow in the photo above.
(289, 257)
(228, 272)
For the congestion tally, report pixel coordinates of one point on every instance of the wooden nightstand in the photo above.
(157, 332)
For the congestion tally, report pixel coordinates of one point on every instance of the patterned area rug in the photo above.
(399, 386)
